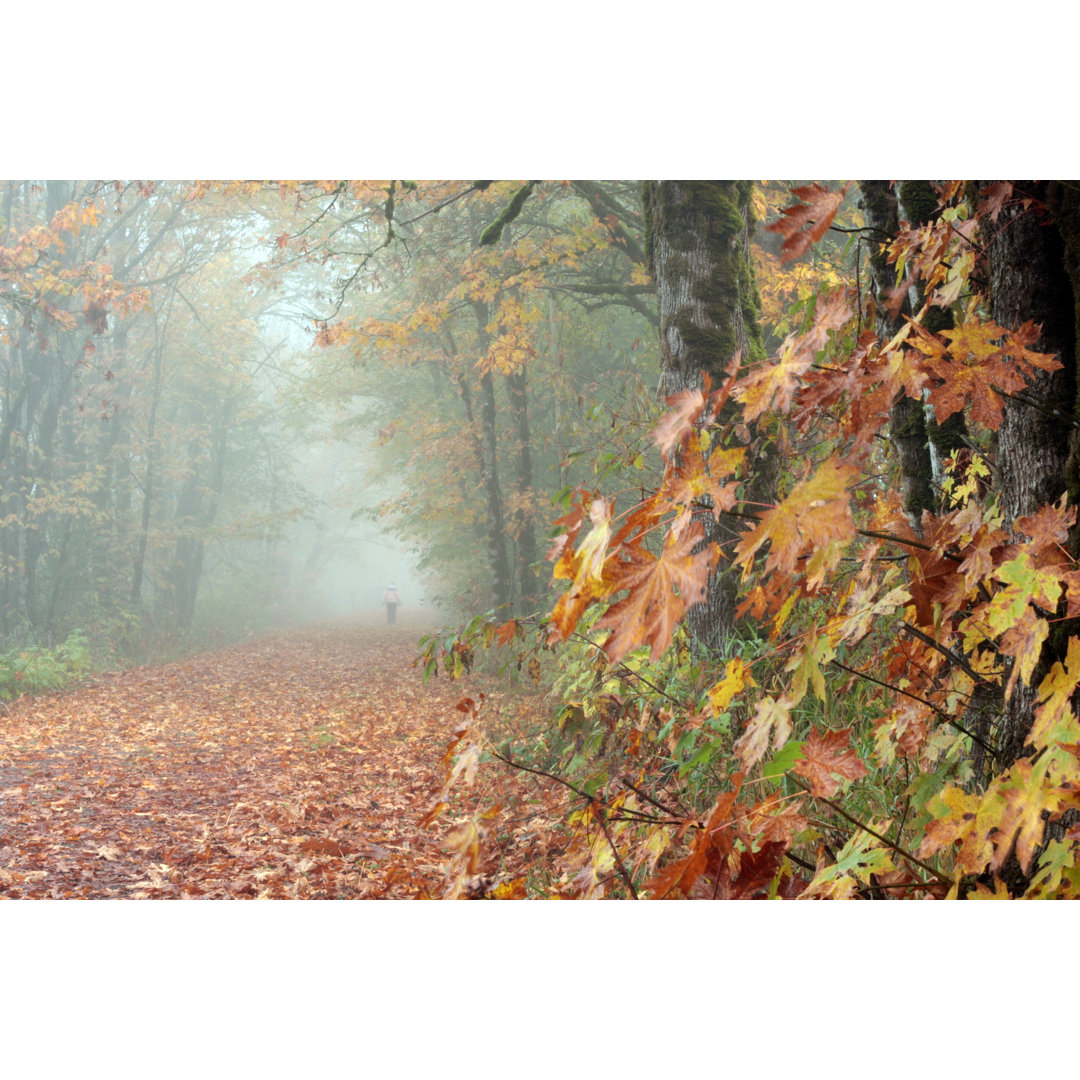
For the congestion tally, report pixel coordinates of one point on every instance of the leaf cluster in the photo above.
(844, 747)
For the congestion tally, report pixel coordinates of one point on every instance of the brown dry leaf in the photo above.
(296, 765)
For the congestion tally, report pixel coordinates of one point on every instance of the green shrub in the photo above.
(35, 669)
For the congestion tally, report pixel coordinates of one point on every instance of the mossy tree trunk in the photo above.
(498, 562)
(697, 237)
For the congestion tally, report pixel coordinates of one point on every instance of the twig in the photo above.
(915, 697)
(615, 851)
(648, 798)
(945, 651)
(540, 772)
(877, 836)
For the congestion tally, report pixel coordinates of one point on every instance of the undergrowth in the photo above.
(35, 669)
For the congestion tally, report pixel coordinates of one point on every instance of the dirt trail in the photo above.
(293, 766)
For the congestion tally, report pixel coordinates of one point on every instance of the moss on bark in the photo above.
(697, 242)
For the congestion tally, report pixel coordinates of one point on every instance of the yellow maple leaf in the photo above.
(1025, 791)
(1054, 694)
(816, 513)
(736, 677)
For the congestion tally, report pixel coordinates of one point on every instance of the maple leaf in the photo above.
(1024, 793)
(696, 482)
(826, 754)
(660, 588)
(772, 386)
(736, 677)
(957, 820)
(678, 878)
(1010, 616)
(1056, 876)
(993, 198)
(561, 551)
(777, 818)
(860, 857)
(712, 845)
(807, 221)
(975, 360)
(815, 513)
(585, 565)
(807, 663)
(1024, 641)
(757, 871)
(771, 717)
(1048, 528)
(904, 729)
(1055, 692)
(686, 408)
(510, 890)
(593, 549)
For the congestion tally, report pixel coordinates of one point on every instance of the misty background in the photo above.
(228, 407)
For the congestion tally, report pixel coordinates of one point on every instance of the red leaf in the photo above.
(807, 221)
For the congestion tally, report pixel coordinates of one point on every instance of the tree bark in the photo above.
(919, 204)
(907, 424)
(1026, 259)
(697, 238)
(524, 525)
(496, 524)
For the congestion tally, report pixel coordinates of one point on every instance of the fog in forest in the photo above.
(231, 407)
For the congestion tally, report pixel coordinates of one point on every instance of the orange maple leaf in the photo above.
(661, 588)
(974, 361)
(826, 754)
(695, 482)
(806, 222)
(772, 386)
(775, 819)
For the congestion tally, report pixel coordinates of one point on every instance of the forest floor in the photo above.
(297, 765)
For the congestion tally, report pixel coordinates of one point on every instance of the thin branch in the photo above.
(648, 798)
(624, 873)
(877, 836)
(945, 651)
(540, 772)
(915, 697)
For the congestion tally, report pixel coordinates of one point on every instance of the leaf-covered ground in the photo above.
(297, 765)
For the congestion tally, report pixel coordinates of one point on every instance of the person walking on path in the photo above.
(391, 599)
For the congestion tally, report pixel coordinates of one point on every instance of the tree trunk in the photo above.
(907, 425)
(1026, 257)
(697, 236)
(919, 204)
(496, 525)
(524, 525)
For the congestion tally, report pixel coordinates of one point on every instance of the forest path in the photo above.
(297, 765)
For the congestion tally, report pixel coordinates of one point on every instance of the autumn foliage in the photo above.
(845, 751)
(892, 712)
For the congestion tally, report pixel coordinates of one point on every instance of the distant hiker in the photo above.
(391, 599)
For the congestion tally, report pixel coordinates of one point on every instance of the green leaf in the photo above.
(783, 760)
